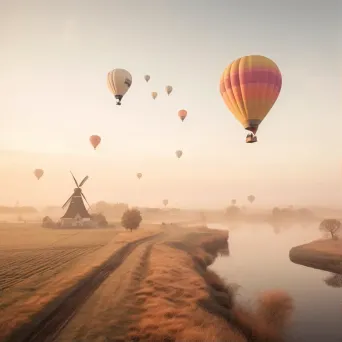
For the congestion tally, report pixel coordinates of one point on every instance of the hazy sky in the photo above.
(55, 56)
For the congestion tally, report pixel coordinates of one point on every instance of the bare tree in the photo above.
(331, 226)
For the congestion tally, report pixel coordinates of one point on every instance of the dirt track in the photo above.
(48, 325)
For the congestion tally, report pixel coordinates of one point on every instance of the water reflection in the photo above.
(334, 280)
(259, 261)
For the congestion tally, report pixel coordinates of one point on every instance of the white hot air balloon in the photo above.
(179, 153)
(119, 81)
(168, 89)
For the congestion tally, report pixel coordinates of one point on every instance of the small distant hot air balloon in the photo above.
(147, 78)
(251, 198)
(249, 87)
(165, 202)
(139, 175)
(154, 95)
(38, 173)
(233, 201)
(179, 153)
(95, 140)
(119, 81)
(168, 89)
(182, 114)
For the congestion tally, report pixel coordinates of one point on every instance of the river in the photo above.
(259, 261)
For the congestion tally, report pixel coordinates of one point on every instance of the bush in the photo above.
(48, 222)
(100, 220)
(131, 219)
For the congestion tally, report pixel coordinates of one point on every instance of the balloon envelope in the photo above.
(251, 198)
(182, 114)
(249, 87)
(179, 153)
(139, 175)
(168, 89)
(118, 82)
(38, 173)
(147, 78)
(95, 140)
(154, 95)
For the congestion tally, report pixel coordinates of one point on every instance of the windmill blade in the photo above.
(84, 180)
(74, 179)
(69, 199)
(85, 199)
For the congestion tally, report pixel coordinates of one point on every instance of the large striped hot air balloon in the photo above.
(250, 86)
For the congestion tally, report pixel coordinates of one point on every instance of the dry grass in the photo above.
(37, 265)
(328, 246)
(180, 300)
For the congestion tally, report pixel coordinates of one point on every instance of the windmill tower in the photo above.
(76, 215)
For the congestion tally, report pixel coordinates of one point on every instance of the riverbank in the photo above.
(324, 255)
(180, 299)
(155, 287)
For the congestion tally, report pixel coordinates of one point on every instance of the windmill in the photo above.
(76, 214)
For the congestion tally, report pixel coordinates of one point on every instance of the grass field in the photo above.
(37, 264)
(161, 290)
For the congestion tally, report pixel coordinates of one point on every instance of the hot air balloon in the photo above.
(233, 201)
(182, 114)
(147, 78)
(168, 89)
(165, 202)
(139, 175)
(95, 140)
(38, 173)
(251, 198)
(119, 81)
(250, 86)
(154, 95)
(179, 153)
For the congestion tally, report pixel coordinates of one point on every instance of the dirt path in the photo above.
(125, 267)
(107, 313)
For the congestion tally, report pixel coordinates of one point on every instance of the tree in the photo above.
(48, 223)
(100, 219)
(233, 211)
(331, 226)
(131, 219)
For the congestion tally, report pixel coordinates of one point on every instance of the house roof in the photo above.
(76, 206)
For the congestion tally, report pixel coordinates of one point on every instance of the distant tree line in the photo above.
(18, 210)
(291, 213)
